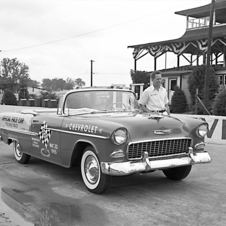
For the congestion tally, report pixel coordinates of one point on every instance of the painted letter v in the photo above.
(210, 133)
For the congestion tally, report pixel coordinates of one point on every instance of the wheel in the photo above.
(20, 156)
(93, 178)
(116, 103)
(178, 173)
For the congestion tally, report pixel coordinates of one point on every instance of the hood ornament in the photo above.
(162, 132)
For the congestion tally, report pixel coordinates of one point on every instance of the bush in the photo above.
(32, 96)
(47, 95)
(197, 81)
(179, 101)
(9, 98)
(219, 103)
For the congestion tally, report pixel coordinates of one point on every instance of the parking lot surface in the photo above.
(47, 194)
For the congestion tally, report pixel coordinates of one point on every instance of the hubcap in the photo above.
(18, 153)
(91, 169)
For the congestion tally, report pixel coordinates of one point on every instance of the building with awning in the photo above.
(192, 46)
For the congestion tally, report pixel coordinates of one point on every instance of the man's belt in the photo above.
(159, 111)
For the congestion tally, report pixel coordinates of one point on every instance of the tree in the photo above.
(197, 81)
(219, 103)
(179, 101)
(79, 82)
(140, 77)
(58, 84)
(70, 84)
(9, 98)
(47, 84)
(33, 83)
(13, 73)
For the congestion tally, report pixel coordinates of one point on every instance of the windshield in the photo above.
(108, 100)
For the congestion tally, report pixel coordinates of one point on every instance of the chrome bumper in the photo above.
(145, 165)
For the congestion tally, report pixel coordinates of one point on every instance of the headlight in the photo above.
(202, 130)
(119, 136)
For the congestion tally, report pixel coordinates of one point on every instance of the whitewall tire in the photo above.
(93, 178)
(19, 155)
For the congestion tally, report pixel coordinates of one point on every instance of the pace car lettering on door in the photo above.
(15, 122)
(35, 142)
(12, 119)
(54, 148)
(83, 128)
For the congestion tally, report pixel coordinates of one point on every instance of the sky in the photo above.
(59, 38)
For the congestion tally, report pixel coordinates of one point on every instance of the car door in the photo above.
(46, 138)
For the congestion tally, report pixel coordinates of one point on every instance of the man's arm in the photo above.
(143, 101)
(144, 108)
(167, 103)
(167, 109)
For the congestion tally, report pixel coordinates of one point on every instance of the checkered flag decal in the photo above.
(44, 134)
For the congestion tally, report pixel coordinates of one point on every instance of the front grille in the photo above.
(158, 148)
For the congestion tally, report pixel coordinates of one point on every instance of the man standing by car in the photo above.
(154, 98)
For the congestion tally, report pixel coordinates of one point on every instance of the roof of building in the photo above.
(198, 34)
(204, 11)
(190, 35)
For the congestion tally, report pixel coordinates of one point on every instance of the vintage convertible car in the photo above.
(104, 131)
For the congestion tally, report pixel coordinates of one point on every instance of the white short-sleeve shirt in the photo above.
(154, 99)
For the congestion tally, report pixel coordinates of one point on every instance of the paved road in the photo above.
(56, 196)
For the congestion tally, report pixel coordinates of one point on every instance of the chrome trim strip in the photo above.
(184, 154)
(164, 156)
(57, 130)
(18, 131)
(83, 134)
(171, 138)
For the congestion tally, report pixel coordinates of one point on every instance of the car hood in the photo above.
(144, 127)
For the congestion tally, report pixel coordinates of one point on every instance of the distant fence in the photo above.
(46, 103)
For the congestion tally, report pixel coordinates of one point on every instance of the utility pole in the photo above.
(91, 82)
(0, 66)
(206, 88)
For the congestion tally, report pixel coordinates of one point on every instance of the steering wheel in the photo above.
(114, 108)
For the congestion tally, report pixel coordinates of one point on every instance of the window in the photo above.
(222, 80)
(100, 100)
(197, 22)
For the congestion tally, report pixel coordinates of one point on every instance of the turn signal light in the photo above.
(117, 154)
(200, 145)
